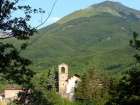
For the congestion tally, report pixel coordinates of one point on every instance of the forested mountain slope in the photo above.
(97, 36)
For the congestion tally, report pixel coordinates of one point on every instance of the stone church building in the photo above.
(67, 84)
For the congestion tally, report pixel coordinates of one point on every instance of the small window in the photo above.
(76, 82)
(63, 69)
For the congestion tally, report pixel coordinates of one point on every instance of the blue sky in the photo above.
(65, 7)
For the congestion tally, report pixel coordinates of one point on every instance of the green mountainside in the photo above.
(114, 8)
(97, 36)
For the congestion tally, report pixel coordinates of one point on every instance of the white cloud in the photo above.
(112, 0)
(53, 20)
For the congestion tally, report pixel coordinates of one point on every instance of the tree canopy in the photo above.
(127, 91)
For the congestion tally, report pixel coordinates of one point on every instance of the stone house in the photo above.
(10, 93)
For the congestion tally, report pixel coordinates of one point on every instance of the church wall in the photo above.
(66, 85)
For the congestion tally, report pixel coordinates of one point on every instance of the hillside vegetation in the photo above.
(97, 36)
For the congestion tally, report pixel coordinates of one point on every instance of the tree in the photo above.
(14, 67)
(127, 91)
(46, 80)
(92, 88)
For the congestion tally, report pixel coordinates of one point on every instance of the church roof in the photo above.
(63, 64)
(76, 75)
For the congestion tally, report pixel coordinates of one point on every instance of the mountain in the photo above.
(97, 36)
(114, 8)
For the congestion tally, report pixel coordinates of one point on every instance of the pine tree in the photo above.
(127, 91)
(92, 87)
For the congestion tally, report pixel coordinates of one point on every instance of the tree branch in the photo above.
(53, 6)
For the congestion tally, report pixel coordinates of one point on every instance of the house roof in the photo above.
(13, 87)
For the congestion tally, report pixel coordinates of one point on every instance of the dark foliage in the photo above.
(13, 67)
(16, 26)
(127, 91)
(93, 91)
(33, 97)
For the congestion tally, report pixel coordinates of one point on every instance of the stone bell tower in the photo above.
(63, 76)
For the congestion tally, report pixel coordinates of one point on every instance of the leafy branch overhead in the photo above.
(13, 66)
(17, 27)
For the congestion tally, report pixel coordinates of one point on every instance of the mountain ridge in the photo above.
(100, 41)
(115, 8)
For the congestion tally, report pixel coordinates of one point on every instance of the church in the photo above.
(67, 84)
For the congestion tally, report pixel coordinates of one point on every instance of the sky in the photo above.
(65, 7)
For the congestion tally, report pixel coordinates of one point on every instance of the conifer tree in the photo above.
(127, 91)
(92, 87)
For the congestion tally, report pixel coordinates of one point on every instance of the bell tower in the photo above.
(63, 76)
